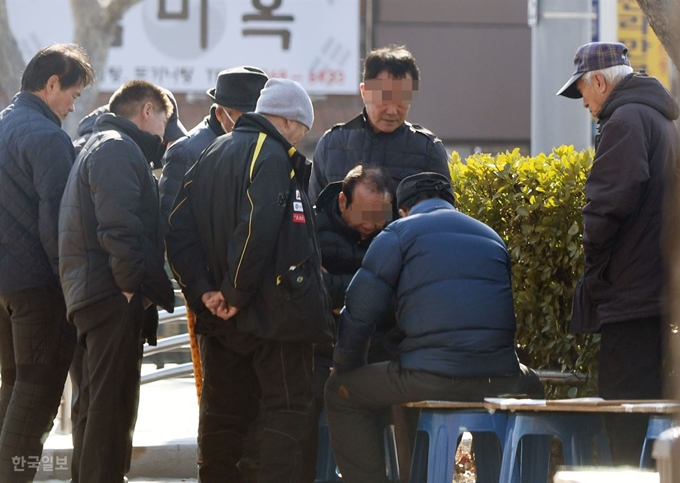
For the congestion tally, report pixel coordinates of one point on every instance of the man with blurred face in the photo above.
(36, 341)
(380, 135)
(112, 271)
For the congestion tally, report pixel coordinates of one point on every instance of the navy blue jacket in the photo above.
(35, 159)
(411, 149)
(451, 277)
(182, 155)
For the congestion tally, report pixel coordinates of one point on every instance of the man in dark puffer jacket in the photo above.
(451, 277)
(36, 342)
(112, 270)
(380, 135)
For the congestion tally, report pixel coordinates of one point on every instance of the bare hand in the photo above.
(226, 311)
(212, 300)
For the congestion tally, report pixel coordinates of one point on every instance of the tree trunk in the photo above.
(664, 17)
(10, 59)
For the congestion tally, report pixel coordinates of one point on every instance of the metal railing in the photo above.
(169, 344)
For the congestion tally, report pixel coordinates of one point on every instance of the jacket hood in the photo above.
(150, 144)
(639, 88)
(86, 125)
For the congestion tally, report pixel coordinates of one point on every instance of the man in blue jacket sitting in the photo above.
(451, 277)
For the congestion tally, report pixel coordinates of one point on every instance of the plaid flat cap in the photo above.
(594, 56)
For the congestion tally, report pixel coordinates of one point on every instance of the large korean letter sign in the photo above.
(183, 44)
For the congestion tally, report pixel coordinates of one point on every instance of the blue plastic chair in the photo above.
(656, 426)
(326, 467)
(535, 430)
(438, 435)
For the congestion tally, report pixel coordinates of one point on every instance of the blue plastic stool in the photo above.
(326, 467)
(439, 431)
(656, 426)
(535, 431)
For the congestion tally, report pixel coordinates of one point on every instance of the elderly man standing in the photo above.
(620, 291)
(380, 135)
(112, 270)
(236, 91)
(243, 246)
(450, 275)
(36, 341)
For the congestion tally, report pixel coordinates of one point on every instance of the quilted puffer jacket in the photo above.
(35, 159)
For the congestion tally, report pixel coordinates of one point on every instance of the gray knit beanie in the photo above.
(288, 99)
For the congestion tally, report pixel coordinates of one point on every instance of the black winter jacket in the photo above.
(409, 150)
(342, 248)
(36, 156)
(242, 223)
(636, 154)
(109, 224)
(181, 155)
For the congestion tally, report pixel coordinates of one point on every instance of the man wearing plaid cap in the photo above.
(619, 293)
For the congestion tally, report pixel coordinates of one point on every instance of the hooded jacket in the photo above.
(451, 277)
(181, 155)
(410, 149)
(242, 223)
(36, 156)
(635, 157)
(109, 222)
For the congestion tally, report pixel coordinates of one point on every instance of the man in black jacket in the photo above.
(380, 135)
(112, 271)
(236, 91)
(243, 247)
(36, 342)
(619, 294)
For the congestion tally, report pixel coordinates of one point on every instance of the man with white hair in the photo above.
(620, 292)
(243, 247)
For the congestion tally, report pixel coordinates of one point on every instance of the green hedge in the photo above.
(534, 203)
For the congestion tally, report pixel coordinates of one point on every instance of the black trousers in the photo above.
(237, 368)
(36, 347)
(631, 367)
(110, 333)
(353, 399)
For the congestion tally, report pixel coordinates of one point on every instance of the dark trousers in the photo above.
(36, 346)
(353, 398)
(110, 333)
(631, 367)
(237, 368)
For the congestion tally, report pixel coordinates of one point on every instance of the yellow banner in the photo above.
(644, 48)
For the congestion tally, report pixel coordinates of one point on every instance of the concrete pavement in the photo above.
(164, 440)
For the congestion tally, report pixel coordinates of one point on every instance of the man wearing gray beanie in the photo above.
(243, 246)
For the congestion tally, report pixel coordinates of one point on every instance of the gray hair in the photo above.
(613, 74)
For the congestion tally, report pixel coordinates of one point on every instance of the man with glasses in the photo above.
(380, 135)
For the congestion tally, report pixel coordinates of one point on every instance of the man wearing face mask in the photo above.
(380, 135)
(112, 272)
(243, 246)
(236, 91)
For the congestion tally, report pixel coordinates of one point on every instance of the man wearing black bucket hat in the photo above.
(620, 292)
(236, 91)
(450, 275)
